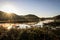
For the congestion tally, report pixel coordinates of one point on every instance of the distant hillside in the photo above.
(32, 18)
(57, 17)
(6, 17)
(10, 17)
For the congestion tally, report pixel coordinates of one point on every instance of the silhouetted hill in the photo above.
(57, 17)
(11, 17)
(6, 17)
(32, 18)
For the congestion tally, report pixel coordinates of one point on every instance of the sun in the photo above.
(8, 8)
(12, 8)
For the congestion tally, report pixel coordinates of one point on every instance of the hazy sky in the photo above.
(45, 8)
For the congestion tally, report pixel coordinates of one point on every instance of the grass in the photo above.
(34, 33)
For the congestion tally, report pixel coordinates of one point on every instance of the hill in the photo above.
(32, 18)
(57, 17)
(14, 18)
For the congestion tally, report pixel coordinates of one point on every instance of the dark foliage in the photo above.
(26, 34)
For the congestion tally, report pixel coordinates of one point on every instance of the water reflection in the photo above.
(18, 25)
(41, 23)
(14, 25)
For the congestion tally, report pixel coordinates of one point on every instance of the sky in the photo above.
(41, 8)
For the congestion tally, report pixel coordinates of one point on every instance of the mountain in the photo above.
(14, 18)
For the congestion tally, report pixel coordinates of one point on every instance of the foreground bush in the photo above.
(26, 34)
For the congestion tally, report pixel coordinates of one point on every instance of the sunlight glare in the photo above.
(9, 8)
